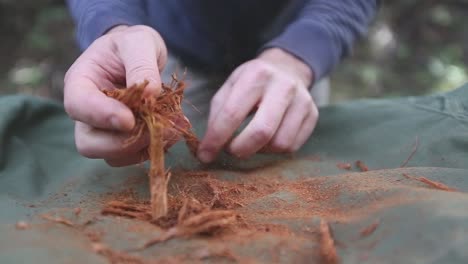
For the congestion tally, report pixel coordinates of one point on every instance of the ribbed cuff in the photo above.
(312, 44)
(98, 25)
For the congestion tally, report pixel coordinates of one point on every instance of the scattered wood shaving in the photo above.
(94, 236)
(22, 225)
(415, 148)
(77, 211)
(327, 244)
(119, 208)
(197, 224)
(369, 230)
(363, 167)
(114, 256)
(209, 252)
(90, 221)
(344, 166)
(57, 219)
(433, 184)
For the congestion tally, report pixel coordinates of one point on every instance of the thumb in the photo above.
(143, 59)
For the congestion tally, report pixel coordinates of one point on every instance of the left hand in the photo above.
(275, 84)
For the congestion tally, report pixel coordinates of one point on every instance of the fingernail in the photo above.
(205, 156)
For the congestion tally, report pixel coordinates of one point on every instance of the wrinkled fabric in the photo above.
(41, 172)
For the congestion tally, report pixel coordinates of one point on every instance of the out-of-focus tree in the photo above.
(414, 47)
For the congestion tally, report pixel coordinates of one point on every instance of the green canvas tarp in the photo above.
(384, 215)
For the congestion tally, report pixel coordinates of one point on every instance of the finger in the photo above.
(132, 159)
(285, 137)
(142, 58)
(223, 93)
(246, 93)
(170, 137)
(101, 144)
(307, 128)
(266, 121)
(84, 102)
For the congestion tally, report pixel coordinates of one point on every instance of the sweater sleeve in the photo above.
(324, 31)
(94, 17)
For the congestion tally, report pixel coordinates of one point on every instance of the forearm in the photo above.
(94, 17)
(324, 32)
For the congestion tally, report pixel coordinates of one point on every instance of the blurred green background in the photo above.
(414, 47)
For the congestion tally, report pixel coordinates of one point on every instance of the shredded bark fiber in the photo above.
(205, 222)
(186, 217)
(157, 114)
(135, 211)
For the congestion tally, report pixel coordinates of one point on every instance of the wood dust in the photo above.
(198, 204)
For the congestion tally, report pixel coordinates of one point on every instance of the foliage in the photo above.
(414, 47)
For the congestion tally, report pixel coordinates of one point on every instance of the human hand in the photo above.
(275, 84)
(123, 57)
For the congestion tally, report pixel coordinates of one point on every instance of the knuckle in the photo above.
(231, 113)
(308, 100)
(288, 88)
(261, 70)
(307, 104)
(142, 63)
(288, 83)
(141, 66)
(262, 134)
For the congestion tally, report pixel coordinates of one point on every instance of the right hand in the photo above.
(122, 57)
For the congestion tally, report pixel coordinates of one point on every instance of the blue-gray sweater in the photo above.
(220, 34)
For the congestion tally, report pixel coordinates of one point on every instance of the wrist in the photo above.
(290, 63)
